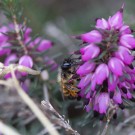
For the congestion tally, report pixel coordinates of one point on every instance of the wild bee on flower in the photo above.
(68, 79)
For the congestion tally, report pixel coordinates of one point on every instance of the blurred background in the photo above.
(58, 21)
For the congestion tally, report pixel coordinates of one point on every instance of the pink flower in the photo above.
(125, 29)
(27, 33)
(44, 45)
(102, 24)
(90, 52)
(10, 59)
(3, 37)
(4, 48)
(128, 41)
(107, 76)
(116, 21)
(85, 81)
(103, 101)
(117, 97)
(124, 54)
(116, 66)
(26, 61)
(101, 73)
(86, 68)
(92, 37)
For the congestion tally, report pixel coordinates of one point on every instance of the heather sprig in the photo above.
(18, 46)
(107, 73)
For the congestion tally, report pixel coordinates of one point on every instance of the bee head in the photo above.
(67, 63)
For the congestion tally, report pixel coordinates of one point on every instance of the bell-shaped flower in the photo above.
(92, 37)
(103, 101)
(3, 37)
(93, 83)
(85, 81)
(26, 61)
(27, 33)
(116, 66)
(91, 52)
(128, 41)
(84, 49)
(116, 21)
(101, 73)
(102, 24)
(86, 68)
(125, 29)
(117, 97)
(5, 48)
(44, 45)
(10, 59)
(124, 54)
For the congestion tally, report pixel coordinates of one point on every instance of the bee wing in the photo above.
(60, 81)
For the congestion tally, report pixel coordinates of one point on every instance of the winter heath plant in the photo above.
(107, 73)
(25, 54)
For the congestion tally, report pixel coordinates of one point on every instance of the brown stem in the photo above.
(19, 38)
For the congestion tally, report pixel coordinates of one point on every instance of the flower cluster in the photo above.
(25, 54)
(107, 73)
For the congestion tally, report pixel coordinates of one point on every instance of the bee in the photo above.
(66, 79)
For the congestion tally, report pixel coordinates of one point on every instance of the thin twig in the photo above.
(44, 131)
(35, 109)
(6, 69)
(19, 38)
(129, 119)
(60, 120)
(113, 110)
(6, 130)
(45, 91)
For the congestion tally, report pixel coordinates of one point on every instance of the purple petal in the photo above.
(85, 81)
(4, 48)
(93, 83)
(3, 38)
(117, 97)
(44, 45)
(116, 66)
(26, 61)
(86, 68)
(124, 54)
(91, 52)
(34, 43)
(102, 24)
(125, 29)
(84, 49)
(10, 59)
(128, 41)
(101, 73)
(27, 33)
(116, 21)
(92, 37)
(103, 101)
